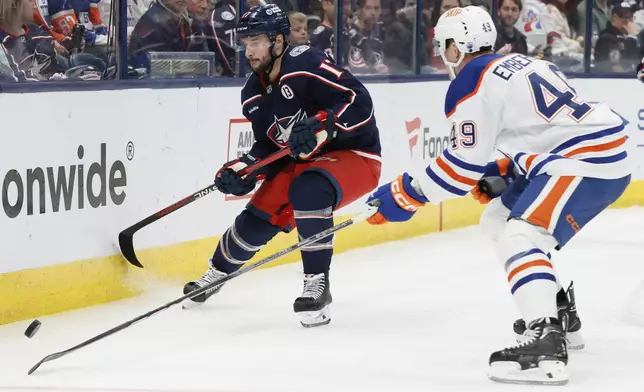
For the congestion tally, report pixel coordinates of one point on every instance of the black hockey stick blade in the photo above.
(126, 244)
(126, 237)
(321, 235)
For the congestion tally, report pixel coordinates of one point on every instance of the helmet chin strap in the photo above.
(451, 66)
(269, 67)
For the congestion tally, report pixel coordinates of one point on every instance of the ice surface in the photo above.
(416, 315)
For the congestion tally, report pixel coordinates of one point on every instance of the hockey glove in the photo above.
(102, 30)
(398, 201)
(309, 135)
(90, 37)
(640, 71)
(229, 181)
(498, 176)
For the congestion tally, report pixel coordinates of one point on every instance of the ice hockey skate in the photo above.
(313, 305)
(569, 320)
(540, 360)
(210, 276)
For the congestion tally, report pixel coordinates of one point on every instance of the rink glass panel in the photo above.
(389, 40)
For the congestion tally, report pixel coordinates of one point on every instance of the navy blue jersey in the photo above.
(322, 38)
(32, 53)
(309, 82)
(221, 36)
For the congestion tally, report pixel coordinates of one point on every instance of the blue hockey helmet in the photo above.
(266, 19)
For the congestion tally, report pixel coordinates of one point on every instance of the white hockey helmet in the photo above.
(470, 27)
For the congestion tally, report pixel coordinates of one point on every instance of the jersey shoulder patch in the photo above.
(308, 60)
(298, 50)
(467, 82)
(227, 15)
(318, 30)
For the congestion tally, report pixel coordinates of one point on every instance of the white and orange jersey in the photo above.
(88, 13)
(524, 109)
(56, 16)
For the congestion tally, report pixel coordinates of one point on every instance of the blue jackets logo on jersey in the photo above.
(280, 130)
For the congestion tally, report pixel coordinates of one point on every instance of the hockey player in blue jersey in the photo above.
(296, 97)
(571, 160)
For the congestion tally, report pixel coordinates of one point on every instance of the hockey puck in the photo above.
(32, 329)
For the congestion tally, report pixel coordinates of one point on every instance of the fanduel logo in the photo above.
(61, 183)
(432, 146)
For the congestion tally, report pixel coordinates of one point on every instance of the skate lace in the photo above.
(532, 335)
(209, 277)
(313, 286)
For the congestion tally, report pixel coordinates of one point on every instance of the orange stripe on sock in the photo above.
(454, 175)
(598, 147)
(523, 267)
(543, 213)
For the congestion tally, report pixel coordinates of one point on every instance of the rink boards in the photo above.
(73, 182)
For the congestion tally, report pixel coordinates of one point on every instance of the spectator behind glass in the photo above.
(30, 48)
(89, 15)
(562, 38)
(61, 17)
(198, 9)
(165, 27)
(323, 36)
(399, 37)
(219, 29)
(509, 39)
(599, 19)
(639, 16)
(366, 40)
(9, 73)
(299, 33)
(135, 10)
(618, 49)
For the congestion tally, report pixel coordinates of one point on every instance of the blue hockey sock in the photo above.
(313, 197)
(241, 241)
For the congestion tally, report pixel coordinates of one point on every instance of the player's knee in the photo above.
(243, 239)
(252, 229)
(494, 219)
(520, 236)
(311, 190)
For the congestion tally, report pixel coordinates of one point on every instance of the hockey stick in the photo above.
(126, 240)
(371, 210)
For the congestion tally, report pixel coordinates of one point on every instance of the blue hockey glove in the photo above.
(229, 181)
(398, 201)
(497, 177)
(90, 37)
(102, 30)
(309, 135)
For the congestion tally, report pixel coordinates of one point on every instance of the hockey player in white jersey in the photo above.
(571, 159)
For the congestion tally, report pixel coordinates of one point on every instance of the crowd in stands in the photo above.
(52, 40)
(74, 39)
